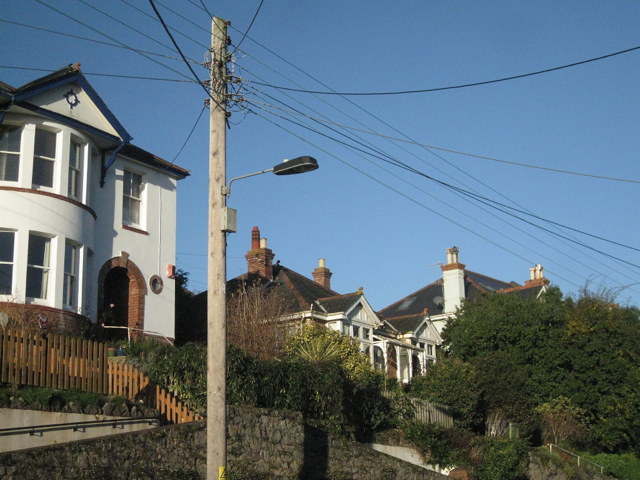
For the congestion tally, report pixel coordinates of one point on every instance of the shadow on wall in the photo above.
(315, 464)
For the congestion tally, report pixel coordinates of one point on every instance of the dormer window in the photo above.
(44, 158)
(132, 198)
(10, 136)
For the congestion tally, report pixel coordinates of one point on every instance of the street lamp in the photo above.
(217, 314)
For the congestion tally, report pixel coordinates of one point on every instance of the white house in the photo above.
(87, 220)
(440, 300)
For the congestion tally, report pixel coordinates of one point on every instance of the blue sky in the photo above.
(382, 227)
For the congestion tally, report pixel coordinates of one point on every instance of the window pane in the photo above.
(6, 246)
(38, 251)
(10, 138)
(36, 282)
(126, 188)
(6, 277)
(356, 331)
(9, 165)
(45, 145)
(73, 183)
(136, 185)
(42, 172)
(74, 155)
(70, 259)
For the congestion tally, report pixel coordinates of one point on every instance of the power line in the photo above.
(484, 200)
(248, 28)
(137, 30)
(408, 197)
(174, 29)
(102, 74)
(189, 136)
(91, 40)
(412, 141)
(181, 54)
(481, 157)
(111, 38)
(439, 89)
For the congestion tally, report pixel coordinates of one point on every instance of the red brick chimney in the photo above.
(260, 258)
(322, 275)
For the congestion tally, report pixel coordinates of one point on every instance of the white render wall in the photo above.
(99, 239)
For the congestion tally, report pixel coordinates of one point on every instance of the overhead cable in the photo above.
(111, 38)
(439, 89)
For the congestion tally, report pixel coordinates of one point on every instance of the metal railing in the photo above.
(148, 332)
(39, 430)
(552, 446)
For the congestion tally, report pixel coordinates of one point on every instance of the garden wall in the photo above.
(261, 444)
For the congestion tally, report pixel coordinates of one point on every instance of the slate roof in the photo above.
(474, 283)
(340, 303)
(407, 324)
(415, 303)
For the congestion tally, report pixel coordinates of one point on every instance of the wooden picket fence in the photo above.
(429, 412)
(56, 361)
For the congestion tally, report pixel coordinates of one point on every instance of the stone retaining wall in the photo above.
(261, 444)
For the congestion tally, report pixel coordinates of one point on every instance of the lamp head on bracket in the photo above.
(295, 166)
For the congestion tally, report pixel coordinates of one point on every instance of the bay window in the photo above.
(70, 288)
(38, 266)
(10, 136)
(44, 158)
(75, 167)
(7, 240)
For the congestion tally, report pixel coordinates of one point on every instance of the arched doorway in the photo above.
(116, 302)
(121, 284)
(378, 358)
(415, 367)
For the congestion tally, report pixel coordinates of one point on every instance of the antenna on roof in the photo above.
(439, 264)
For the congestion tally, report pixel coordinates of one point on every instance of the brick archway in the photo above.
(137, 289)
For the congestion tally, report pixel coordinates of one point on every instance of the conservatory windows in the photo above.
(7, 240)
(38, 266)
(10, 136)
(44, 157)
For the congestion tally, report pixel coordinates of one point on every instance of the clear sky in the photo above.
(380, 226)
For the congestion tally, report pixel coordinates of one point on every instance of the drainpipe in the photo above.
(112, 158)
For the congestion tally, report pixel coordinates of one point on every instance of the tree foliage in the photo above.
(254, 322)
(561, 420)
(451, 382)
(528, 352)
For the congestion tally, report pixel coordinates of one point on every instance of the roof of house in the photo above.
(408, 324)
(431, 297)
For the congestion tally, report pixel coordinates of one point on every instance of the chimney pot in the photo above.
(263, 243)
(322, 275)
(255, 238)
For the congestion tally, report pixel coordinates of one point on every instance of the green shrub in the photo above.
(502, 459)
(623, 467)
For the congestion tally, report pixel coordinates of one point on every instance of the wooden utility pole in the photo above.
(217, 263)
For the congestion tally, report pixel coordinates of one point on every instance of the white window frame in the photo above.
(128, 197)
(70, 285)
(42, 158)
(45, 270)
(12, 262)
(5, 153)
(75, 171)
